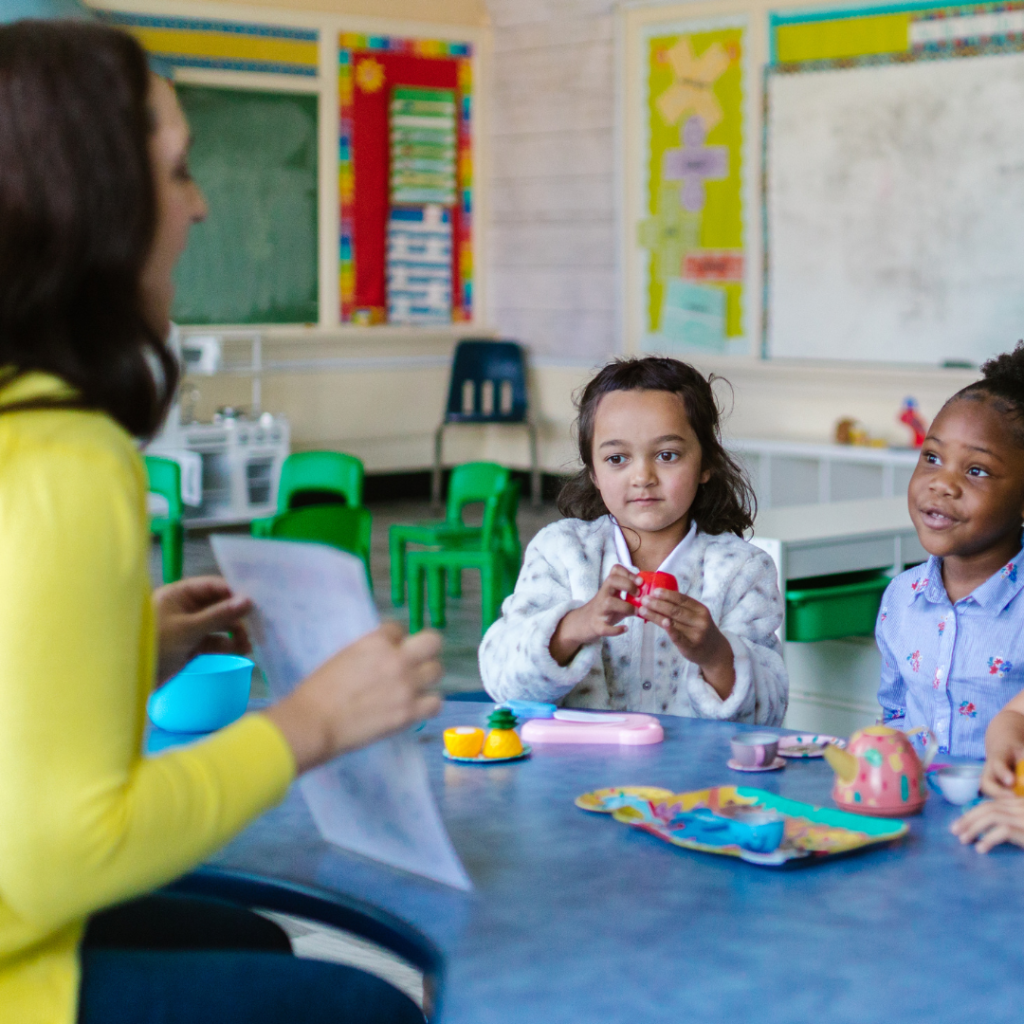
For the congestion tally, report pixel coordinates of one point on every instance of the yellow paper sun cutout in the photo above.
(370, 75)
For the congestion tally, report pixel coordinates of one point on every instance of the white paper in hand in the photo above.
(310, 602)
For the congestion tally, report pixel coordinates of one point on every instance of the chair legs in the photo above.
(172, 551)
(490, 593)
(397, 546)
(534, 467)
(435, 480)
(435, 596)
(416, 580)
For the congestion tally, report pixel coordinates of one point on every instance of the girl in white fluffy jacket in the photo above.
(657, 492)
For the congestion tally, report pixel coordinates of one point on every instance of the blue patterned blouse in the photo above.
(946, 666)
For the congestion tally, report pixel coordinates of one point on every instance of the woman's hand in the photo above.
(693, 631)
(1004, 748)
(377, 686)
(992, 823)
(198, 615)
(599, 617)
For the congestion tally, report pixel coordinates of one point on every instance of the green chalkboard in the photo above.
(254, 259)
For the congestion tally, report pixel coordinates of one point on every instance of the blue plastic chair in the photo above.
(488, 385)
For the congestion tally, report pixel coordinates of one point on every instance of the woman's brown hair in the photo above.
(77, 219)
(725, 504)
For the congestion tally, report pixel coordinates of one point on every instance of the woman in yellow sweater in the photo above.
(95, 206)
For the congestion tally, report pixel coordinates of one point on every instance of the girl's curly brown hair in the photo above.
(725, 504)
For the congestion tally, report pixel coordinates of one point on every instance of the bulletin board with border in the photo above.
(686, 231)
(369, 69)
(897, 127)
(338, 264)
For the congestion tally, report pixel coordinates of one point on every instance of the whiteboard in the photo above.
(895, 211)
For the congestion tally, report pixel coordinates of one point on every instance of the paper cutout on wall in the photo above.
(709, 265)
(693, 316)
(693, 88)
(419, 265)
(370, 75)
(694, 163)
(423, 139)
(694, 229)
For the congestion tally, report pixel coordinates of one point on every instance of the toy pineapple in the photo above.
(502, 740)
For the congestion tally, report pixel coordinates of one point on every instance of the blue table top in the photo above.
(576, 917)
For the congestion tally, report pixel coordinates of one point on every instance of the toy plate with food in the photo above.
(738, 821)
(480, 759)
(808, 744)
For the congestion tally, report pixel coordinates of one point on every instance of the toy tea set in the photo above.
(879, 776)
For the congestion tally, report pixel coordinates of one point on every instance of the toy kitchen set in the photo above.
(230, 467)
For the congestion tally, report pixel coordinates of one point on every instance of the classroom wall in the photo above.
(450, 12)
(549, 192)
(551, 257)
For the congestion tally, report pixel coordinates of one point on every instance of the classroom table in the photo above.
(841, 536)
(576, 917)
(838, 537)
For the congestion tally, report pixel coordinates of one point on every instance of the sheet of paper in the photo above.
(310, 602)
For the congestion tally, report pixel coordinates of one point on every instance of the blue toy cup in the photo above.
(211, 691)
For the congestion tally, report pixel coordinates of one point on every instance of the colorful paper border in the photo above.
(884, 34)
(224, 45)
(351, 44)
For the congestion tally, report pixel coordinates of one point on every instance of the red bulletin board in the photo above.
(368, 80)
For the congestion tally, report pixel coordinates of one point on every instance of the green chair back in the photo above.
(338, 526)
(165, 479)
(324, 472)
(473, 482)
(495, 553)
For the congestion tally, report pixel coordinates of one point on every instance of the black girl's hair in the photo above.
(725, 504)
(1002, 383)
(77, 220)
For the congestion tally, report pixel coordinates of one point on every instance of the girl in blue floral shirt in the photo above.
(951, 631)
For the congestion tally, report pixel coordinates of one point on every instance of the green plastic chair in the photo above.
(165, 479)
(315, 474)
(490, 556)
(471, 482)
(338, 526)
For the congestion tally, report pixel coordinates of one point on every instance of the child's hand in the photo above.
(1004, 748)
(599, 617)
(693, 631)
(992, 823)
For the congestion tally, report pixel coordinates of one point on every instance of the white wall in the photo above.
(551, 251)
(549, 218)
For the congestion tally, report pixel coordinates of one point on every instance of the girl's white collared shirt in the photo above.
(563, 569)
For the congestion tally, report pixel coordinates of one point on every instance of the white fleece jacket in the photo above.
(565, 565)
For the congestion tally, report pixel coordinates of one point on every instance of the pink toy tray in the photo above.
(614, 728)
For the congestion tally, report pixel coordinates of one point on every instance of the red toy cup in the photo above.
(653, 581)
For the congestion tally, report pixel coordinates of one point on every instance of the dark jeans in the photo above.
(179, 960)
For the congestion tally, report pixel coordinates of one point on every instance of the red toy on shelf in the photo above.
(910, 414)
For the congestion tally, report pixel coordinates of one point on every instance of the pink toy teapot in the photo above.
(880, 773)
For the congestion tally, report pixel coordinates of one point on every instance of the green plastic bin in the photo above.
(830, 607)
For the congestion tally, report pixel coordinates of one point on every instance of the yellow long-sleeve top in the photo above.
(85, 820)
